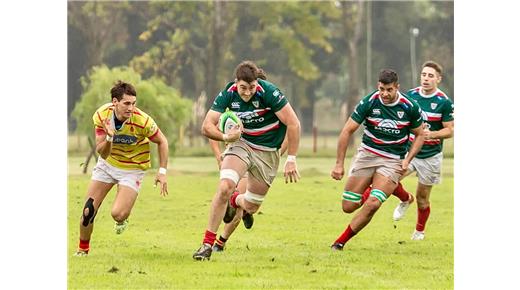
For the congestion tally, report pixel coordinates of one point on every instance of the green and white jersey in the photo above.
(262, 128)
(387, 127)
(436, 108)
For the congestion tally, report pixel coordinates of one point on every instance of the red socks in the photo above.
(365, 194)
(422, 218)
(401, 193)
(234, 199)
(346, 235)
(209, 238)
(84, 245)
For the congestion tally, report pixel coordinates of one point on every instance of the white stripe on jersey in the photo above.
(379, 152)
(265, 128)
(383, 141)
(404, 123)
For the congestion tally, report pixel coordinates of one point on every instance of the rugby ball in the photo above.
(227, 121)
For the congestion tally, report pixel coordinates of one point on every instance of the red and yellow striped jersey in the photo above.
(131, 144)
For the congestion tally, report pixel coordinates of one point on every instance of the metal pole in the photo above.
(369, 47)
(414, 32)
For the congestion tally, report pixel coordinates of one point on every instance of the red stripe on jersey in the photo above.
(405, 100)
(374, 96)
(432, 142)
(259, 88)
(146, 122)
(153, 135)
(383, 143)
(131, 162)
(136, 112)
(376, 152)
(372, 122)
(100, 131)
(233, 88)
(134, 124)
(434, 118)
(258, 133)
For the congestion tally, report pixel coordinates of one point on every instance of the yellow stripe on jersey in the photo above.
(130, 148)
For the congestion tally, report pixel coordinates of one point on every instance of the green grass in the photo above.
(288, 247)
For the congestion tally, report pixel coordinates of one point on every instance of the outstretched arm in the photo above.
(339, 169)
(162, 145)
(289, 118)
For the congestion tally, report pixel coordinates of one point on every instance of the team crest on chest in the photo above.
(400, 114)
(256, 104)
(433, 105)
(376, 111)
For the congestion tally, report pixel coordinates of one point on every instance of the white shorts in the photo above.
(366, 164)
(428, 169)
(107, 173)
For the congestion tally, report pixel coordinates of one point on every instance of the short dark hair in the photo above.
(437, 67)
(388, 76)
(248, 71)
(121, 88)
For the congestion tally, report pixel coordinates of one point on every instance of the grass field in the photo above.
(288, 246)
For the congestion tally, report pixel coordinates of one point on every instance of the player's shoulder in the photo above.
(407, 101)
(442, 96)
(140, 117)
(103, 112)
(370, 98)
(229, 89)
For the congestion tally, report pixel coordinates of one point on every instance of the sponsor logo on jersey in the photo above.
(235, 105)
(388, 126)
(400, 114)
(276, 93)
(376, 111)
(124, 139)
(256, 104)
(433, 105)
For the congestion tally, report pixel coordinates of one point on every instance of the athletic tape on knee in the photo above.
(352, 196)
(89, 218)
(230, 174)
(380, 195)
(254, 198)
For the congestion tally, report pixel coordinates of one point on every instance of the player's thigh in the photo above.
(242, 184)
(125, 199)
(384, 183)
(98, 190)
(358, 184)
(256, 185)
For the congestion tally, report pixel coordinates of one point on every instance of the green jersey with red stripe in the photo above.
(262, 128)
(387, 126)
(436, 108)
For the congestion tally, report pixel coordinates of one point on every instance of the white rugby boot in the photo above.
(119, 228)
(418, 235)
(401, 208)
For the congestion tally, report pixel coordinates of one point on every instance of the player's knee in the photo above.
(423, 203)
(253, 201)
(226, 188)
(89, 212)
(349, 207)
(119, 215)
(372, 205)
(351, 201)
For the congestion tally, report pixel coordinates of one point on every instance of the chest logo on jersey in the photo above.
(400, 114)
(433, 106)
(256, 104)
(124, 139)
(235, 105)
(388, 126)
(376, 111)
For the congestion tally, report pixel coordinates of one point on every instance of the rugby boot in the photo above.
(230, 213)
(203, 253)
(248, 220)
(337, 246)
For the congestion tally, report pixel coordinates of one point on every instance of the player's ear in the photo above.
(114, 101)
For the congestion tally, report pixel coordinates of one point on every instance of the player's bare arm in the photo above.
(289, 118)
(210, 129)
(104, 141)
(162, 146)
(417, 143)
(215, 147)
(339, 169)
(444, 133)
